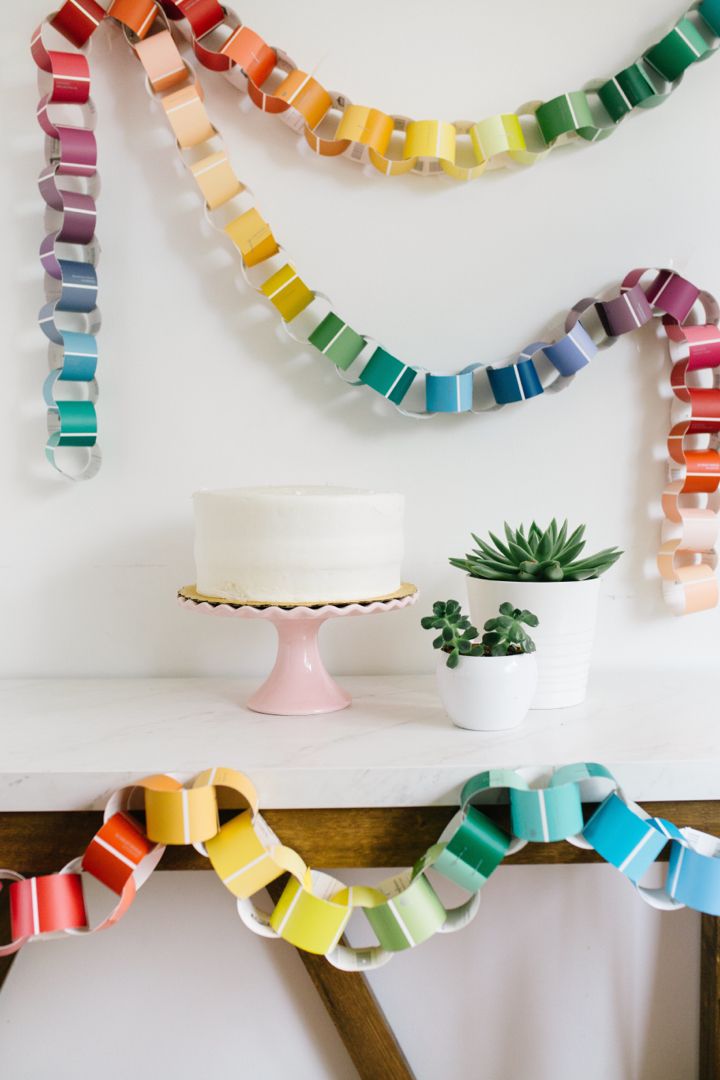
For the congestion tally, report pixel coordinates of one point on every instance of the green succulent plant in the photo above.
(536, 555)
(504, 635)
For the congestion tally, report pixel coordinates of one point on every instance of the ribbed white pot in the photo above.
(487, 693)
(567, 611)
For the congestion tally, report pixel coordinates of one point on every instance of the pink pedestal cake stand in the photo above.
(298, 684)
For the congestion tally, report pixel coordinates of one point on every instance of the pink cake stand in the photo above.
(299, 683)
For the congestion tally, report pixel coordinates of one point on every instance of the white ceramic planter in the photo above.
(487, 693)
(567, 611)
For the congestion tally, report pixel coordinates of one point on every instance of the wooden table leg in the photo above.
(356, 1013)
(709, 998)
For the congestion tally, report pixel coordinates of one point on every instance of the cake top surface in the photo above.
(315, 491)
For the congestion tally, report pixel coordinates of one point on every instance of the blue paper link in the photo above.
(627, 841)
(449, 393)
(571, 352)
(694, 879)
(79, 286)
(515, 382)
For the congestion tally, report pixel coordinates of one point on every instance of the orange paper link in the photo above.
(116, 851)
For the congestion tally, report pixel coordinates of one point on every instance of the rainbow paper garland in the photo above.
(462, 150)
(314, 909)
(687, 559)
(70, 317)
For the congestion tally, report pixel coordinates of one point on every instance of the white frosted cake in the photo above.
(312, 544)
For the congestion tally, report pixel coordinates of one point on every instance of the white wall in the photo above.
(199, 388)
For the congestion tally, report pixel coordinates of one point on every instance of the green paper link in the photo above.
(674, 54)
(388, 375)
(338, 341)
(409, 917)
(473, 852)
(568, 114)
(625, 91)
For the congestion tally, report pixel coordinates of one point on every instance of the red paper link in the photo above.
(203, 15)
(77, 20)
(703, 344)
(42, 905)
(69, 72)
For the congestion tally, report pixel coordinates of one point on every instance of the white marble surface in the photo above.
(65, 744)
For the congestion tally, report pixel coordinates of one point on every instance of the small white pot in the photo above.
(487, 693)
(567, 611)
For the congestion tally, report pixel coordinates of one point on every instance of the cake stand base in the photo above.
(299, 683)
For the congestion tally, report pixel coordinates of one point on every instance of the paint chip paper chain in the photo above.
(314, 909)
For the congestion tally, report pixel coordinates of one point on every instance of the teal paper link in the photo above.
(709, 10)
(79, 364)
(544, 814)
(387, 375)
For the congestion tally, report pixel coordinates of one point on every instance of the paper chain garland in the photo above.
(70, 317)
(314, 908)
(687, 559)
(463, 149)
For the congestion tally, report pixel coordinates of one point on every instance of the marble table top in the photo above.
(65, 744)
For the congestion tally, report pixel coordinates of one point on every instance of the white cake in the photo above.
(313, 544)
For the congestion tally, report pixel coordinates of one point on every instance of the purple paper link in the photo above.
(79, 216)
(43, 117)
(49, 189)
(624, 313)
(48, 258)
(78, 152)
(673, 294)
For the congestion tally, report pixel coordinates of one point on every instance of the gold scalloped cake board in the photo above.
(189, 592)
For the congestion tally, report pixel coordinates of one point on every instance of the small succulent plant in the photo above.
(504, 635)
(536, 555)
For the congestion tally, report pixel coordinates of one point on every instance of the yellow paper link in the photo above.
(247, 856)
(188, 117)
(361, 896)
(391, 166)
(215, 177)
(471, 171)
(366, 127)
(176, 815)
(433, 139)
(287, 292)
(502, 135)
(253, 237)
(309, 918)
(233, 781)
